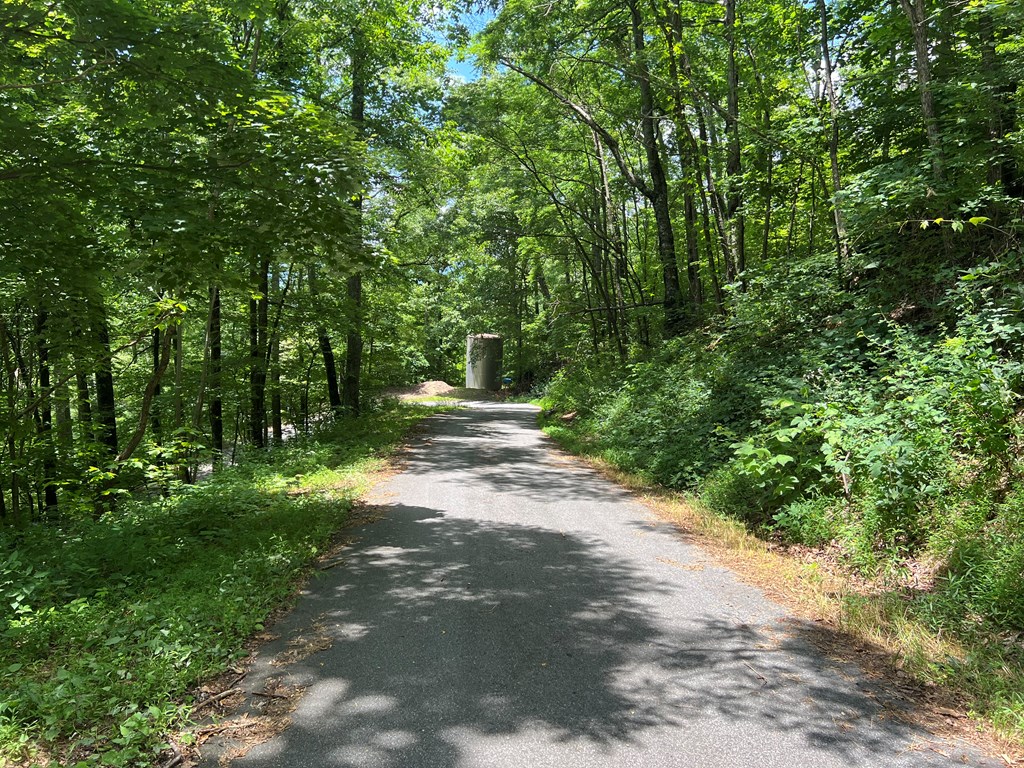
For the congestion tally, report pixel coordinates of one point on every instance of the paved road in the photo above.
(515, 609)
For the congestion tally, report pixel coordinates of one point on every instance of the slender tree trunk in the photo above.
(62, 414)
(255, 359)
(813, 219)
(106, 408)
(353, 346)
(734, 165)
(842, 241)
(145, 409)
(1002, 170)
(354, 284)
(671, 22)
(258, 355)
(709, 247)
(11, 392)
(205, 371)
(327, 352)
(83, 404)
(49, 491)
(216, 395)
(675, 312)
(275, 357)
(331, 372)
(714, 198)
(156, 427)
(303, 415)
(179, 402)
(793, 209)
(275, 391)
(917, 14)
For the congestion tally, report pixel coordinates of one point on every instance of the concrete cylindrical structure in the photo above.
(483, 361)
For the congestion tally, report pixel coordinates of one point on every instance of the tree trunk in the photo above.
(671, 23)
(179, 402)
(354, 284)
(1002, 170)
(11, 392)
(353, 347)
(734, 166)
(275, 391)
(164, 357)
(216, 396)
(331, 372)
(327, 352)
(842, 241)
(917, 14)
(155, 423)
(675, 311)
(303, 415)
(258, 355)
(83, 404)
(49, 491)
(106, 408)
(62, 413)
(274, 353)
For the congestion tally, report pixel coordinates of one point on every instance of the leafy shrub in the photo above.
(812, 521)
(729, 491)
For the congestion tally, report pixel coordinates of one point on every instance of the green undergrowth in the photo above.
(846, 422)
(108, 625)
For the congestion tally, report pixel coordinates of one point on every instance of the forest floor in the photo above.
(507, 605)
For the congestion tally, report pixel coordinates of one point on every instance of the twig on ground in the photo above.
(209, 730)
(215, 699)
(758, 675)
(176, 760)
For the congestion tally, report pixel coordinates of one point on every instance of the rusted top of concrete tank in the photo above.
(484, 336)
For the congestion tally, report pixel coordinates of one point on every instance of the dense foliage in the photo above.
(766, 251)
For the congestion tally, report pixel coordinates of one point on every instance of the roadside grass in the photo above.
(897, 630)
(108, 625)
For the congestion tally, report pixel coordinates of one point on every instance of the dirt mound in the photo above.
(433, 388)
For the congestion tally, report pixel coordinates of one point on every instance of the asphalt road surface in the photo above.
(515, 609)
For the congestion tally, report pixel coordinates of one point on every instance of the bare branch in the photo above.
(585, 117)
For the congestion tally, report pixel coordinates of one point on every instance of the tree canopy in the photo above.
(767, 250)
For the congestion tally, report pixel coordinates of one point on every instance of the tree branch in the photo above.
(150, 393)
(585, 117)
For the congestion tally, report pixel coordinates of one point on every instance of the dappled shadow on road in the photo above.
(499, 448)
(451, 636)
